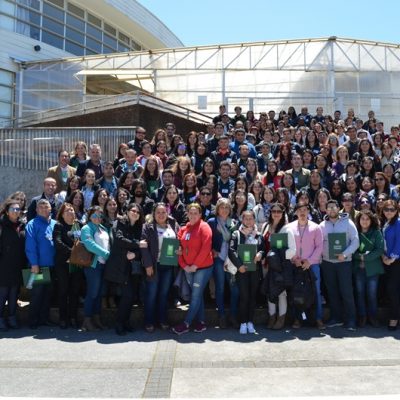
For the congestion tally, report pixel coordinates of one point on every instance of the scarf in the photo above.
(249, 233)
(223, 227)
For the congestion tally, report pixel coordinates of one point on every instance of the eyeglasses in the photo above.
(331, 207)
(346, 200)
(380, 199)
(97, 215)
(205, 193)
(389, 209)
(14, 209)
(140, 132)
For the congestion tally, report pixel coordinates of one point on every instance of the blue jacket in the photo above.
(391, 234)
(234, 146)
(87, 238)
(39, 245)
(217, 237)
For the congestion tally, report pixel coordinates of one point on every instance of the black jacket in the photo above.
(12, 252)
(180, 214)
(150, 234)
(124, 237)
(63, 242)
(234, 244)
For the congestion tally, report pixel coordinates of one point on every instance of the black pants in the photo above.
(248, 283)
(39, 306)
(8, 294)
(393, 289)
(129, 292)
(68, 285)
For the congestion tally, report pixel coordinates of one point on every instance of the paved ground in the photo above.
(215, 363)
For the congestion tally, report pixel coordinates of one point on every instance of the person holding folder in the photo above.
(159, 259)
(246, 251)
(340, 243)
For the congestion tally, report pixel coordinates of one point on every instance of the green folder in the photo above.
(337, 244)
(279, 241)
(168, 254)
(246, 253)
(42, 278)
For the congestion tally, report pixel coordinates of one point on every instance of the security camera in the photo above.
(37, 48)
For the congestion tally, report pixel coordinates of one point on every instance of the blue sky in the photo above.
(203, 22)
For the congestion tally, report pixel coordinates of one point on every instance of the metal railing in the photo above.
(37, 148)
(108, 102)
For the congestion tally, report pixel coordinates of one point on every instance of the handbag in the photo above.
(80, 255)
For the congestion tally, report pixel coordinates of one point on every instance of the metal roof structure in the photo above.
(333, 72)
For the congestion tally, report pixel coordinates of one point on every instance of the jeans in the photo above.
(318, 298)
(197, 282)
(220, 276)
(94, 280)
(156, 295)
(338, 281)
(393, 289)
(248, 283)
(366, 285)
(128, 292)
(8, 294)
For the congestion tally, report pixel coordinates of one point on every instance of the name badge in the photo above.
(225, 190)
(296, 180)
(187, 236)
(229, 159)
(207, 213)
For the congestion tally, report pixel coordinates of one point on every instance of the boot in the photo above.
(88, 326)
(97, 322)
(12, 322)
(271, 321)
(280, 322)
(3, 325)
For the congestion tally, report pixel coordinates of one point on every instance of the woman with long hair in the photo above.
(175, 207)
(272, 177)
(241, 183)
(256, 188)
(391, 258)
(284, 157)
(288, 183)
(181, 168)
(122, 197)
(207, 169)
(263, 209)
(190, 191)
(151, 174)
(191, 143)
(79, 155)
(239, 204)
(89, 188)
(199, 156)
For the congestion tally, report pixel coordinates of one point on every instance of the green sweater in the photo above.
(371, 241)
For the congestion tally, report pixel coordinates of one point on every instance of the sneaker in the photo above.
(181, 328)
(332, 323)
(200, 327)
(351, 327)
(320, 324)
(250, 328)
(243, 329)
(149, 328)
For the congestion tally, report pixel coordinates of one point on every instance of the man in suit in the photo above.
(61, 172)
(95, 162)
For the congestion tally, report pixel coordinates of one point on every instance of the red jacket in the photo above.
(196, 242)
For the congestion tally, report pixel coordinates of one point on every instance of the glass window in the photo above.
(53, 26)
(92, 31)
(135, 46)
(74, 48)
(53, 12)
(123, 37)
(28, 30)
(75, 22)
(53, 40)
(75, 36)
(110, 41)
(28, 16)
(59, 3)
(30, 3)
(107, 50)
(123, 47)
(93, 44)
(94, 20)
(76, 10)
(90, 52)
(110, 29)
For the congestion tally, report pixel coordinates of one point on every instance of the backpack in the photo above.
(303, 290)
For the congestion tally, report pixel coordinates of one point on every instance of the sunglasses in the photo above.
(205, 194)
(14, 209)
(388, 209)
(97, 215)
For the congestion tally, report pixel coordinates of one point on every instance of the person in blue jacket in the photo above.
(40, 251)
(240, 135)
(96, 239)
(391, 258)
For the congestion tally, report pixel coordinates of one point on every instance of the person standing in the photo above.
(196, 260)
(12, 260)
(40, 251)
(62, 172)
(309, 246)
(391, 258)
(337, 268)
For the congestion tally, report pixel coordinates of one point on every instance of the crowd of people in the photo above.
(286, 212)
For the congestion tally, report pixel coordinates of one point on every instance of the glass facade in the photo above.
(6, 95)
(333, 73)
(64, 25)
